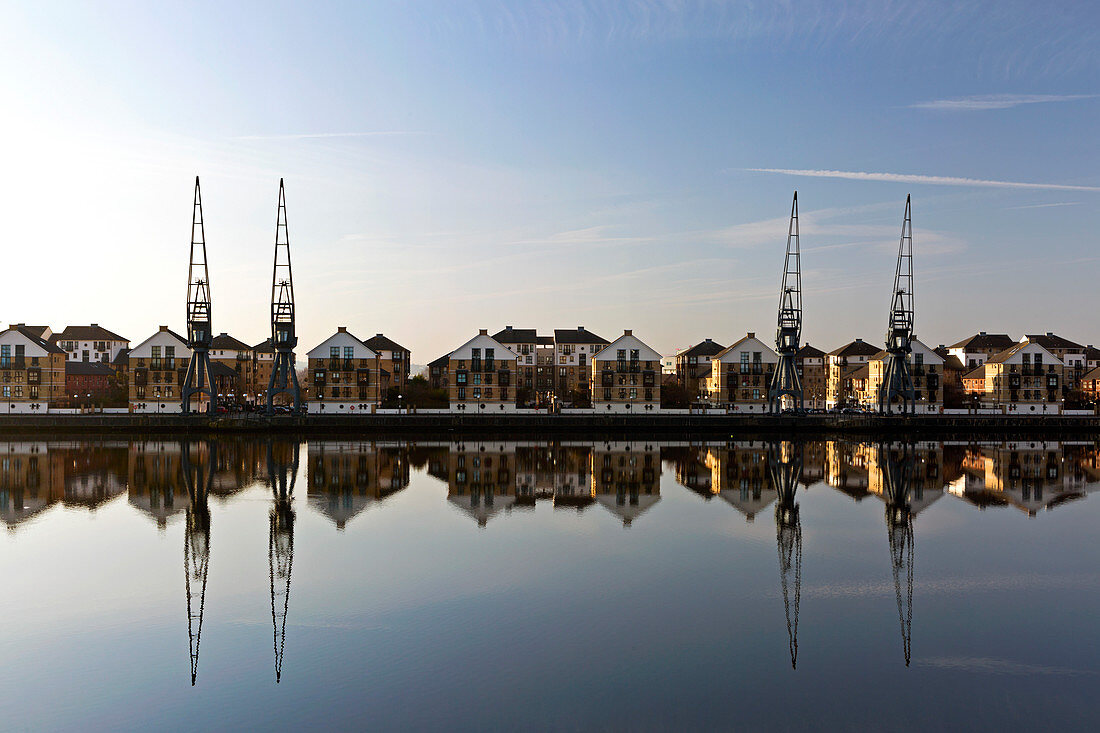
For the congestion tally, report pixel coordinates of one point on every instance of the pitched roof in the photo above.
(703, 348)
(218, 369)
(859, 347)
(94, 332)
(546, 341)
(1009, 353)
(860, 372)
(267, 347)
(983, 340)
(738, 342)
(579, 335)
(29, 333)
(225, 341)
(509, 335)
(378, 342)
(1091, 375)
(39, 330)
(1092, 353)
(809, 352)
(441, 361)
(88, 368)
(123, 357)
(1053, 341)
(977, 373)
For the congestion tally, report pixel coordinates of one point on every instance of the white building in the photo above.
(90, 343)
(343, 376)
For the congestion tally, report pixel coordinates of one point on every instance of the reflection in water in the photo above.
(282, 471)
(169, 480)
(198, 475)
(785, 461)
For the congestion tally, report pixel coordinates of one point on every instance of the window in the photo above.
(334, 353)
(461, 393)
(477, 393)
(633, 394)
(349, 353)
(607, 393)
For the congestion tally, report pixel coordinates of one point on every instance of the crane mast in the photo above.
(198, 380)
(785, 381)
(282, 474)
(283, 380)
(898, 466)
(785, 466)
(897, 379)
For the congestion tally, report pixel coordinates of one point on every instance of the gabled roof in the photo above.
(747, 337)
(860, 372)
(545, 341)
(344, 337)
(509, 335)
(977, 373)
(163, 329)
(227, 342)
(379, 342)
(1016, 348)
(703, 348)
(29, 333)
(983, 340)
(578, 335)
(809, 352)
(859, 347)
(441, 361)
(123, 357)
(266, 347)
(94, 332)
(627, 340)
(1091, 375)
(1053, 341)
(218, 369)
(88, 368)
(1092, 353)
(38, 330)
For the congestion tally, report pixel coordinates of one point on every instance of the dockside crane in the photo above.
(196, 543)
(283, 380)
(282, 471)
(198, 379)
(897, 379)
(785, 381)
(785, 467)
(898, 465)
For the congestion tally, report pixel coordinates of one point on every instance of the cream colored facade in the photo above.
(1025, 379)
(626, 377)
(482, 373)
(841, 365)
(740, 375)
(926, 369)
(157, 367)
(342, 377)
(32, 372)
(626, 477)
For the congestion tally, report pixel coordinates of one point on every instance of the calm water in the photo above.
(487, 585)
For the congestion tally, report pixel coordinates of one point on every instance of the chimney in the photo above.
(95, 325)
(1049, 334)
(627, 332)
(859, 341)
(708, 341)
(580, 328)
(223, 333)
(752, 334)
(483, 332)
(981, 333)
(341, 329)
(508, 329)
(378, 335)
(164, 328)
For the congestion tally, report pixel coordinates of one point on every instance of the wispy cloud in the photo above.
(930, 180)
(314, 135)
(1043, 206)
(997, 101)
(1000, 666)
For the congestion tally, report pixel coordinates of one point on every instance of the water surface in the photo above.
(548, 585)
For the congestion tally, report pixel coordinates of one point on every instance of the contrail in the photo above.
(933, 180)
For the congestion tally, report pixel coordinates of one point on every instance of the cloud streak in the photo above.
(317, 135)
(997, 101)
(929, 180)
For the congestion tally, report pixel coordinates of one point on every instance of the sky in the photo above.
(452, 166)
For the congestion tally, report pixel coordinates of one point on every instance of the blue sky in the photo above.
(451, 166)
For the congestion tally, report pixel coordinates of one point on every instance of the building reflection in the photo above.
(32, 479)
(347, 477)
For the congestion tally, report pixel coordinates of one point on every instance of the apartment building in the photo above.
(481, 478)
(395, 361)
(342, 376)
(974, 351)
(739, 476)
(439, 376)
(573, 349)
(530, 376)
(87, 381)
(89, 343)
(841, 365)
(809, 362)
(263, 362)
(1025, 378)
(740, 375)
(483, 376)
(693, 366)
(346, 477)
(1090, 384)
(626, 376)
(157, 367)
(239, 382)
(926, 368)
(32, 371)
(1072, 355)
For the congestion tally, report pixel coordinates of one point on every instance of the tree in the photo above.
(675, 396)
